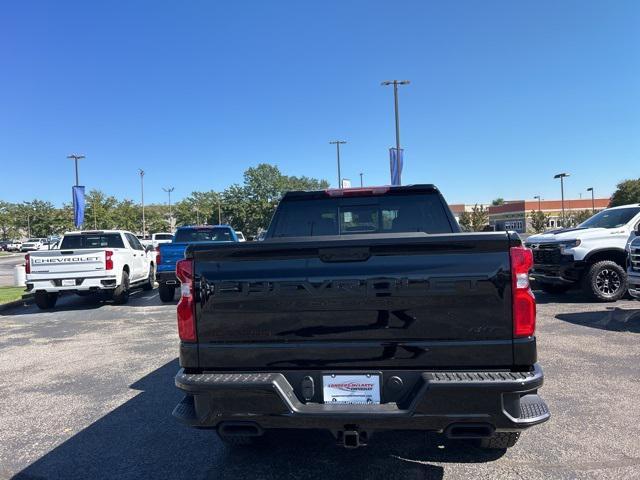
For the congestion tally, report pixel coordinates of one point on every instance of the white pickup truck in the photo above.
(591, 255)
(109, 262)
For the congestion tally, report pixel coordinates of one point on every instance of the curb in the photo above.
(26, 299)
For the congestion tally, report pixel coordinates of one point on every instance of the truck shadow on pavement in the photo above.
(72, 302)
(613, 319)
(140, 439)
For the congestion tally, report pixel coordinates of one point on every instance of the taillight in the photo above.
(108, 260)
(158, 257)
(27, 263)
(186, 305)
(524, 303)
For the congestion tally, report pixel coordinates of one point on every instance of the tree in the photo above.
(465, 221)
(497, 201)
(576, 218)
(9, 226)
(539, 221)
(199, 206)
(475, 220)
(479, 217)
(627, 191)
(250, 206)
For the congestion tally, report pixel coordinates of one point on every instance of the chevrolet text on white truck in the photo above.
(592, 255)
(109, 262)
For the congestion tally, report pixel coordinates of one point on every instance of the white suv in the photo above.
(592, 255)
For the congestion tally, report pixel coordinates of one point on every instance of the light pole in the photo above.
(562, 176)
(75, 158)
(169, 190)
(395, 84)
(197, 215)
(337, 143)
(361, 183)
(538, 197)
(593, 201)
(144, 222)
(219, 213)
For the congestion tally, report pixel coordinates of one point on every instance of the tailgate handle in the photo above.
(356, 254)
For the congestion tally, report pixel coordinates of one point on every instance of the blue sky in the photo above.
(504, 94)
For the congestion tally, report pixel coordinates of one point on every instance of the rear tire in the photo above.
(121, 293)
(167, 292)
(605, 281)
(46, 301)
(151, 279)
(500, 440)
(553, 288)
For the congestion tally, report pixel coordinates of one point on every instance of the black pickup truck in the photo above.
(363, 310)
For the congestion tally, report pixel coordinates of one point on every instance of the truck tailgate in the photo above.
(410, 301)
(170, 253)
(67, 261)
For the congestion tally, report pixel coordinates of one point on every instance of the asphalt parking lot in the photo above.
(87, 392)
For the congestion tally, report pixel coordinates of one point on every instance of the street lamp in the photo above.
(169, 190)
(144, 223)
(395, 84)
(538, 197)
(562, 176)
(361, 184)
(593, 201)
(337, 143)
(75, 158)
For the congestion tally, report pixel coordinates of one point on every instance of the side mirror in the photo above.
(149, 248)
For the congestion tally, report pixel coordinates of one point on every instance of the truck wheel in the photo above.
(605, 281)
(121, 293)
(167, 292)
(500, 440)
(553, 288)
(151, 279)
(46, 301)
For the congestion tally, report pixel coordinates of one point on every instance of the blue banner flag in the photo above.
(395, 165)
(78, 205)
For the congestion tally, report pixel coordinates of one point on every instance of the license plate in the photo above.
(351, 389)
(69, 283)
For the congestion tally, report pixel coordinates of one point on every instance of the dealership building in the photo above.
(516, 214)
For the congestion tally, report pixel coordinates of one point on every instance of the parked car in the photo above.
(591, 255)
(240, 236)
(362, 310)
(156, 239)
(13, 246)
(32, 244)
(633, 267)
(109, 262)
(170, 253)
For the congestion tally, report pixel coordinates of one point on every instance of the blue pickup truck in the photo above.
(170, 253)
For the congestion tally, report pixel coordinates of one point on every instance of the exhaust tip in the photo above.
(469, 430)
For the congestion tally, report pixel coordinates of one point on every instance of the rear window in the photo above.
(191, 235)
(357, 215)
(92, 240)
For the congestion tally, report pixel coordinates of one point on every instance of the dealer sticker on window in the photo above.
(351, 389)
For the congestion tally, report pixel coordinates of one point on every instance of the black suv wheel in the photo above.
(606, 281)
